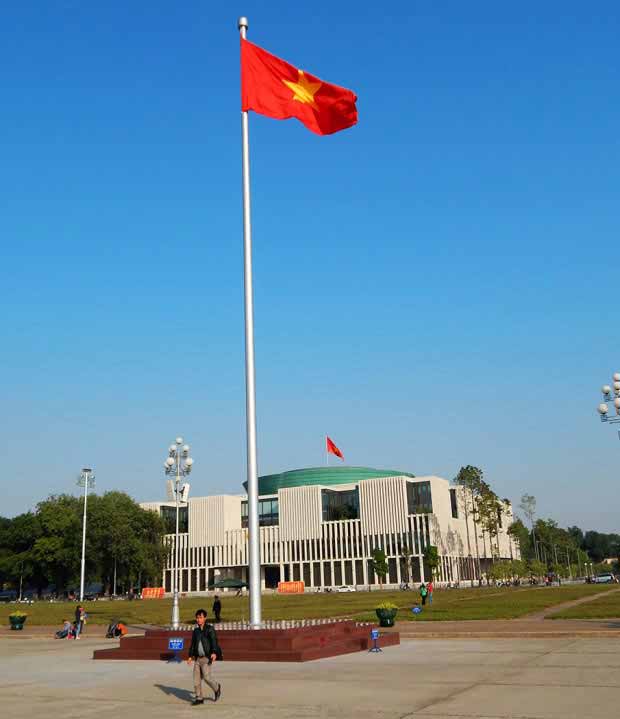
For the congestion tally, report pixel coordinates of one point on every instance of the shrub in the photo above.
(387, 605)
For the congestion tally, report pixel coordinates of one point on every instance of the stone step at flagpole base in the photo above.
(293, 642)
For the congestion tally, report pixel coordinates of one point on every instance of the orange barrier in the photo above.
(153, 593)
(291, 587)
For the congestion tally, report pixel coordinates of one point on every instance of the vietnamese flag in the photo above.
(332, 449)
(272, 87)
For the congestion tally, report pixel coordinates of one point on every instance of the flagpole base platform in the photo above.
(300, 641)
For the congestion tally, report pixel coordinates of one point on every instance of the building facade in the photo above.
(321, 525)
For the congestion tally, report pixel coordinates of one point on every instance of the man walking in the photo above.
(217, 609)
(203, 651)
(429, 589)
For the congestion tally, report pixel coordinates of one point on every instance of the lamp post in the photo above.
(179, 464)
(610, 394)
(86, 480)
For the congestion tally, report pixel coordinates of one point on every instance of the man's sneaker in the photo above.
(197, 702)
(218, 693)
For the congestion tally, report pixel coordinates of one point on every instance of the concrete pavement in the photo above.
(535, 679)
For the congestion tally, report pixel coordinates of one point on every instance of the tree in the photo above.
(520, 535)
(501, 571)
(537, 568)
(518, 568)
(528, 507)
(490, 509)
(405, 563)
(45, 547)
(470, 480)
(431, 557)
(379, 564)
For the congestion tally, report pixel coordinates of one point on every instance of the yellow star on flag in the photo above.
(304, 90)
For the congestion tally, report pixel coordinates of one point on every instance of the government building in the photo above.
(321, 525)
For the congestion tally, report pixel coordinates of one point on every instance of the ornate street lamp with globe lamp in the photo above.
(179, 464)
(610, 393)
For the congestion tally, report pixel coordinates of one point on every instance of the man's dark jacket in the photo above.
(207, 636)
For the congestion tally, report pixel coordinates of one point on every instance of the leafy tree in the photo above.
(520, 534)
(490, 510)
(431, 557)
(379, 564)
(537, 568)
(470, 480)
(44, 547)
(518, 568)
(528, 507)
(405, 563)
(576, 535)
(501, 571)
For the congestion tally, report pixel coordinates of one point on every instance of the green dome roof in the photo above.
(271, 483)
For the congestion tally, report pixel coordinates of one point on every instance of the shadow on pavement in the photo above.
(183, 694)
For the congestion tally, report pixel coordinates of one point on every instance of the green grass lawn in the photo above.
(605, 607)
(478, 603)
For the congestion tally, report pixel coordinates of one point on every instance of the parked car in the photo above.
(607, 578)
(345, 588)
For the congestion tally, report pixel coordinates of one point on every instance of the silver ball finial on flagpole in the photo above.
(243, 22)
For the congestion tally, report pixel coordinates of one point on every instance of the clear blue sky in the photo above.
(434, 287)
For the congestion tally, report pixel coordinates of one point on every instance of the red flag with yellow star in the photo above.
(272, 87)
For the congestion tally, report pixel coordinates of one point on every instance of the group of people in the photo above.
(73, 630)
(426, 592)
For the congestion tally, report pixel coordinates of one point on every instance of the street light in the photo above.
(610, 393)
(179, 464)
(86, 480)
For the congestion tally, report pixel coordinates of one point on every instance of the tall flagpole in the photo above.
(250, 379)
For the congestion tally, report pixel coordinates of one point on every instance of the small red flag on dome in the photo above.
(332, 449)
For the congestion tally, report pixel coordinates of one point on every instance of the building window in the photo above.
(499, 517)
(419, 498)
(340, 505)
(169, 514)
(268, 515)
(453, 504)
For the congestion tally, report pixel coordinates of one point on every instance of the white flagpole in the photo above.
(250, 383)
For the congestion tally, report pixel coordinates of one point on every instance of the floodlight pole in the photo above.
(179, 462)
(86, 479)
(176, 617)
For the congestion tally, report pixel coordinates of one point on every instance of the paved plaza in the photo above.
(541, 678)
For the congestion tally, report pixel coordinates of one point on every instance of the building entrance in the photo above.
(272, 577)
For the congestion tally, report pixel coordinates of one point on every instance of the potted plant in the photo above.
(17, 620)
(386, 613)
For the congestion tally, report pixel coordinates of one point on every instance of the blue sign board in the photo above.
(176, 645)
(374, 635)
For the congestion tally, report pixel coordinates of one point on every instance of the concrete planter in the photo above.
(17, 621)
(386, 617)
